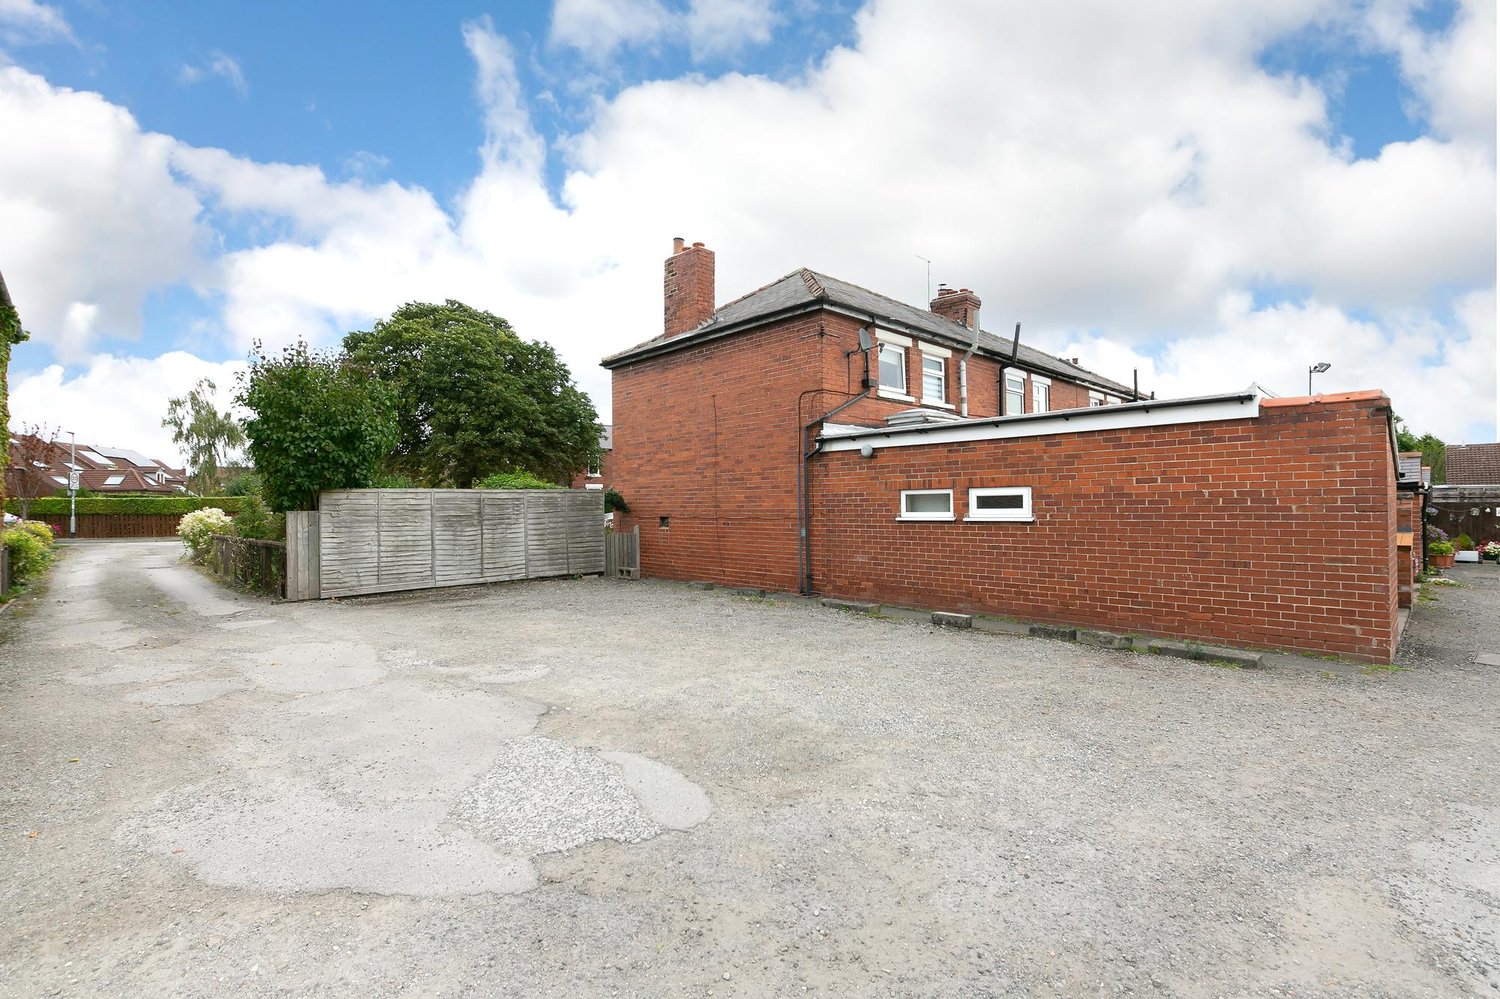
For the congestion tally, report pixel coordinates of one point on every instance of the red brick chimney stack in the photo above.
(960, 306)
(688, 287)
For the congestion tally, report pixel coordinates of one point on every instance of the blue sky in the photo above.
(1196, 189)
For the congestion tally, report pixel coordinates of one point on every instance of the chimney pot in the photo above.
(677, 242)
(697, 246)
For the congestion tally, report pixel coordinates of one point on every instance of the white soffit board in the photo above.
(1062, 421)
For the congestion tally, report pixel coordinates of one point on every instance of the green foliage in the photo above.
(514, 480)
(243, 484)
(257, 522)
(318, 423)
(37, 529)
(29, 555)
(1434, 451)
(614, 502)
(1463, 543)
(205, 435)
(472, 396)
(1440, 548)
(197, 530)
(394, 480)
(57, 506)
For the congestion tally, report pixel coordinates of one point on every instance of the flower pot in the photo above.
(1440, 561)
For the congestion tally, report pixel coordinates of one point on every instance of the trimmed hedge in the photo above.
(57, 506)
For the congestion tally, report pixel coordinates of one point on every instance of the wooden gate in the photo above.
(622, 554)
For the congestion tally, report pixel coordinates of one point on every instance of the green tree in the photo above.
(1434, 451)
(318, 422)
(205, 435)
(473, 398)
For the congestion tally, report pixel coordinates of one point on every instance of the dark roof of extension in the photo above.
(1473, 464)
(802, 290)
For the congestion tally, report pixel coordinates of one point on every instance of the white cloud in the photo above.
(118, 401)
(1126, 179)
(219, 64)
(597, 28)
(722, 27)
(1453, 72)
(27, 22)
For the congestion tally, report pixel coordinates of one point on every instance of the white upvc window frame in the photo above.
(895, 341)
(1013, 378)
(923, 515)
(114, 480)
(1096, 398)
(1041, 394)
(1112, 400)
(939, 355)
(1021, 515)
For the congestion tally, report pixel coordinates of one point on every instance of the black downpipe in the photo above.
(804, 484)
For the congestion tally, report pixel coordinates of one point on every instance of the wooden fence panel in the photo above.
(622, 554)
(302, 549)
(383, 540)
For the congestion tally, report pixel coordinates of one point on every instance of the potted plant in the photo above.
(1490, 551)
(1440, 554)
(1464, 549)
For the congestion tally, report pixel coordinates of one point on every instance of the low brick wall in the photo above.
(1273, 532)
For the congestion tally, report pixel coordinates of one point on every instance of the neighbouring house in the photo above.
(1469, 500)
(817, 436)
(1413, 487)
(597, 476)
(100, 470)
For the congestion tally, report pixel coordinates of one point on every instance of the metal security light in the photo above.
(1316, 369)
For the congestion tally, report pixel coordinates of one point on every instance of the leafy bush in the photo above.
(1440, 548)
(29, 555)
(255, 521)
(243, 484)
(396, 480)
(614, 502)
(515, 480)
(57, 506)
(198, 528)
(39, 529)
(1463, 543)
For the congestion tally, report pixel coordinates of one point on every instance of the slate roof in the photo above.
(1473, 464)
(804, 288)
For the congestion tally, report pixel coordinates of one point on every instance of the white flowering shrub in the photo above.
(198, 528)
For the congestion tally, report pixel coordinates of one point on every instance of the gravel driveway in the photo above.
(593, 788)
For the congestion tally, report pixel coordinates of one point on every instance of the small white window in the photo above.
(1041, 396)
(926, 504)
(1096, 398)
(60, 480)
(1003, 503)
(114, 480)
(1112, 400)
(1015, 393)
(934, 379)
(893, 368)
(595, 469)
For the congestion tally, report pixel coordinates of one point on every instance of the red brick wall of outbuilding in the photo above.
(1275, 532)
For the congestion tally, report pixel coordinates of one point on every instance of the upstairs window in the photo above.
(893, 368)
(1096, 398)
(1041, 395)
(114, 480)
(934, 379)
(1015, 393)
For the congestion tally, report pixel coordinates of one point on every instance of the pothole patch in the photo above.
(519, 675)
(186, 692)
(541, 796)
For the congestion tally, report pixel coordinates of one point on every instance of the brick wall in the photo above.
(1276, 532)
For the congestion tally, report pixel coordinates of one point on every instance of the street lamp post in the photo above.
(1316, 369)
(72, 484)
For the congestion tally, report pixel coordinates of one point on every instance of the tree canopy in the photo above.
(473, 398)
(319, 422)
(1434, 451)
(205, 435)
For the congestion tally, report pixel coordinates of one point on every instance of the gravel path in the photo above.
(592, 788)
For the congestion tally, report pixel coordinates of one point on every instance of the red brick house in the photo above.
(100, 469)
(816, 436)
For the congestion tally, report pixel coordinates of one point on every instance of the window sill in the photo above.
(885, 393)
(940, 405)
(1000, 520)
(925, 520)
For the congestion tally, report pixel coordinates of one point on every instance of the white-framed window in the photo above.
(926, 504)
(1096, 398)
(1112, 400)
(1041, 394)
(934, 380)
(60, 480)
(114, 480)
(596, 468)
(1015, 393)
(1000, 503)
(893, 368)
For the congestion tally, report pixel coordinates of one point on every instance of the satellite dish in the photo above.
(865, 340)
